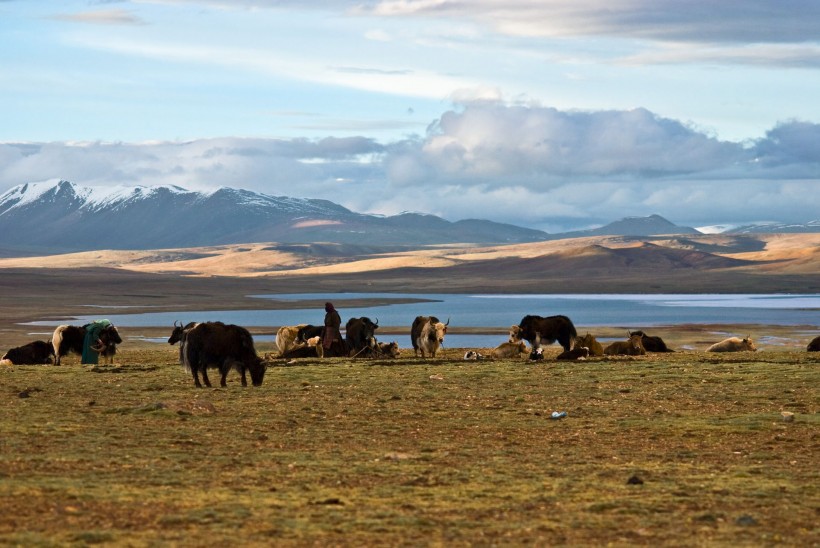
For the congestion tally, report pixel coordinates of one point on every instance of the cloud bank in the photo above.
(528, 165)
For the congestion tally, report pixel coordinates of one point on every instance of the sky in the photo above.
(551, 114)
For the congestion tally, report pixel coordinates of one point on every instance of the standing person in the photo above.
(332, 336)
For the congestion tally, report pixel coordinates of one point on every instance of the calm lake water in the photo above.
(501, 311)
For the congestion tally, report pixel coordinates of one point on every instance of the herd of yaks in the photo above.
(304, 340)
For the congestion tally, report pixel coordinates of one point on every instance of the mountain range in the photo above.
(61, 216)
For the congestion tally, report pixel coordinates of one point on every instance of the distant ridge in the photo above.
(653, 225)
(61, 216)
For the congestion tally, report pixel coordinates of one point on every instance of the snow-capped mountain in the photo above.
(777, 228)
(61, 216)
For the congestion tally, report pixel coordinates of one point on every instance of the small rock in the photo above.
(634, 480)
(788, 416)
(746, 520)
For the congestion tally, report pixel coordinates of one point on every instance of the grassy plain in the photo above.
(684, 449)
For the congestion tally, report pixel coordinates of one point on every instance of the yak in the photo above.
(388, 350)
(814, 345)
(595, 348)
(178, 336)
(215, 345)
(308, 331)
(537, 330)
(577, 353)
(286, 337)
(360, 336)
(734, 344)
(427, 335)
(98, 338)
(509, 350)
(631, 347)
(650, 343)
(33, 353)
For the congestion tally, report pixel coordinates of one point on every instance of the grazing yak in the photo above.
(286, 337)
(178, 336)
(595, 348)
(509, 350)
(98, 338)
(33, 353)
(360, 336)
(814, 345)
(734, 344)
(537, 330)
(577, 353)
(631, 347)
(427, 334)
(215, 345)
(652, 344)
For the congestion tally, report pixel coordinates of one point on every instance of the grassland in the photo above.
(685, 449)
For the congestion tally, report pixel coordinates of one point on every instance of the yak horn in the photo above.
(448, 321)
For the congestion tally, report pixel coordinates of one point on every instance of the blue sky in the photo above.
(556, 114)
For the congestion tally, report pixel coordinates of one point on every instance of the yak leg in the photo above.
(195, 373)
(242, 369)
(224, 370)
(205, 378)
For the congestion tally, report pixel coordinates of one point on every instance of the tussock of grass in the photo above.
(415, 452)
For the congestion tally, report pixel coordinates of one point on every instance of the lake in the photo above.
(500, 311)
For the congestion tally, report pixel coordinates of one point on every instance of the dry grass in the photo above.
(409, 452)
(782, 253)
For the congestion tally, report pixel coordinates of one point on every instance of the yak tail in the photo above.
(57, 338)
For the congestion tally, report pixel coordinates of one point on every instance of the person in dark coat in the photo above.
(332, 337)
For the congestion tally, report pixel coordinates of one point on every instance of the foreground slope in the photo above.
(664, 450)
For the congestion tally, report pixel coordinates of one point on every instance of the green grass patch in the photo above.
(345, 452)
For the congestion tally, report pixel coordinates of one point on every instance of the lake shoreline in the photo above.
(56, 295)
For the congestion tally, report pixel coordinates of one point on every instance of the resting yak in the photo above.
(388, 350)
(577, 353)
(814, 345)
(590, 342)
(33, 353)
(734, 344)
(509, 350)
(651, 343)
(537, 330)
(360, 336)
(631, 347)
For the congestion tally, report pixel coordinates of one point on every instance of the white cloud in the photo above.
(526, 165)
(102, 17)
(378, 35)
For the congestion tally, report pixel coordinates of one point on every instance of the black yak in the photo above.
(537, 330)
(216, 345)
